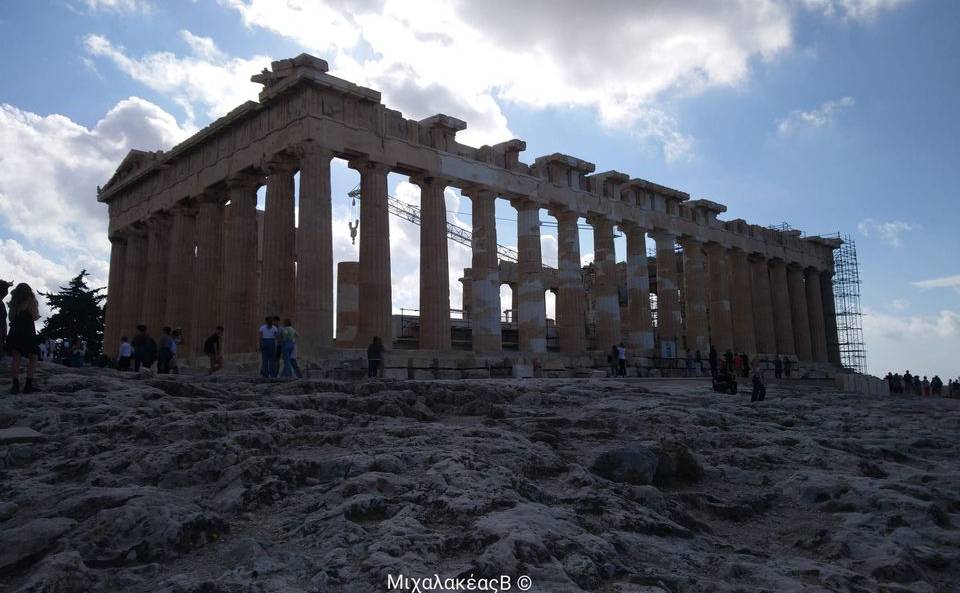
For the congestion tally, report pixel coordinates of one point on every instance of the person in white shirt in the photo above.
(126, 354)
(268, 348)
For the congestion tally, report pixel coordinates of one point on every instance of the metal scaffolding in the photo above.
(846, 296)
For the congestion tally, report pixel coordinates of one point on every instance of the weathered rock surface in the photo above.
(233, 484)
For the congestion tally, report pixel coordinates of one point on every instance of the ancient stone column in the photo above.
(721, 323)
(818, 334)
(798, 312)
(434, 265)
(375, 296)
(744, 335)
(158, 259)
(782, 314)
(695, 296)
(639, 322)
(485, 272)
(314, 252)
(240, 307)
(180, 286)
(278, 275)
(762, 305)
(466, 294)
(668, 294)
(606, 297)
(830, 317)
(532, 316)
(571, 298)
(348, 304)
(134, 280)
(208, 270)
(111, 335)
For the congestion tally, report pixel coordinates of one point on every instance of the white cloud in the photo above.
(899, 304)
(823, 116)
(945, 282)
(624, 61)
(852, 10)
(922, 343)
(207, 79)
(20, 264)
(51, 166)
(889, 231)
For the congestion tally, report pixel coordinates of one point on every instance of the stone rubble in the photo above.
(235, 484)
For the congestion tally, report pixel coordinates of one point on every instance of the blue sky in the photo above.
(831, 115)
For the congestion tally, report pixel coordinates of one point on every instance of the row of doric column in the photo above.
(195, 267)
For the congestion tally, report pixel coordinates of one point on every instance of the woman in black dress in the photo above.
(22, 338)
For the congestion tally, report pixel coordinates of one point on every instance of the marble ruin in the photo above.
(190, 250)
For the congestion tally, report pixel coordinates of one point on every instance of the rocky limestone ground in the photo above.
(234, 484)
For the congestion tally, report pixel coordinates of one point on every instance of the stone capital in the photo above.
(564, 215)
(423, 180)
(364, 164)
(691, 242)
(244, 181)
(282, 164)
(523, 203)
(757, 257)
(475, 192)
(311, 148)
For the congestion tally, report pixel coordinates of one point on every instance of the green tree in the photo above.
(78, 314)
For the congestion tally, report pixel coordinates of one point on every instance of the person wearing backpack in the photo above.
(211, 347)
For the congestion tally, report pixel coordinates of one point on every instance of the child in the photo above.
(126, 354)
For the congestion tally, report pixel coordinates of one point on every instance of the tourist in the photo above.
(728, 358)
(288, 340)
(936, 385)
(126, 354)
(4, 289)
(778, 367)
(925, 386)
(917, 385)
(745, 364)
(22, 339)
(211, 347)
(144, 349)
(688, 362)
(622, 360)
(712, 357)
(276, 367)
(787, 366)
(698, 361)
(375, 357)
(175, 348)
(907, 382)
(165, 354)
(268, 348)
(759, 389)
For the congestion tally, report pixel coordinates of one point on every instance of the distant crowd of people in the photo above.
(908, 384)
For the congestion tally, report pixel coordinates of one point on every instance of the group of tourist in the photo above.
(21, 340)
(278, 343)
(142, 351)
(908, 384)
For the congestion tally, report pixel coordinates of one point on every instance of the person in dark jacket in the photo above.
(778, 367)
(144, 349)
(165, 354)
(22, 339)
(787, 366)
(714, 366)
(375, 357)
(759, 389)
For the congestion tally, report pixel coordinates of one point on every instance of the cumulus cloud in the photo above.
(824, 115)
(922, 343)
(51, 166)
(889, 232)
(623, 60)
(852, 10)
(206, 79)
(944, 282)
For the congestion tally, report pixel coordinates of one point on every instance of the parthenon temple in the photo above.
(191, 250)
